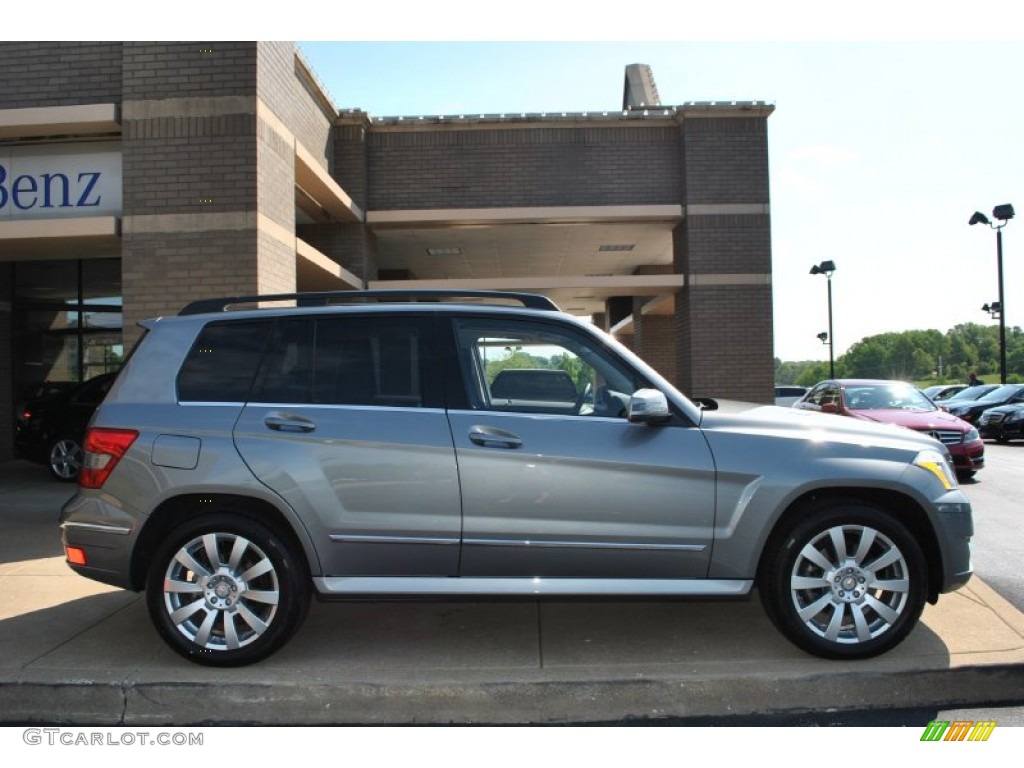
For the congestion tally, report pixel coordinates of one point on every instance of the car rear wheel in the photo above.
(846, 581)
(226, 591)
(65, 459)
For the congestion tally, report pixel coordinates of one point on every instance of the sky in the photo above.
(893, 122)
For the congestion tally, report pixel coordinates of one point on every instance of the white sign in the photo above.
(60, 181)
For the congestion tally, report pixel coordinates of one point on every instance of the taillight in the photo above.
(103, 449)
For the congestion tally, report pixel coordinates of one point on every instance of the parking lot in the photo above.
(74, 651)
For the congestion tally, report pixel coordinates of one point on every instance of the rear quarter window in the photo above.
(222, 363)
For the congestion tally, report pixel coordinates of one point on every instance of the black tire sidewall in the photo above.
(774, 579)
(293, 580)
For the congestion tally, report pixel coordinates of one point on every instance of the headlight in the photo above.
(1015, 416)
(958, 411)
(938, 465)
(971, 435)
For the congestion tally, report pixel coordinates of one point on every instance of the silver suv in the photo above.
(373, 444)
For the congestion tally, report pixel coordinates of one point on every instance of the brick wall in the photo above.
(161, 272)
(350, 161)
(49, 74)
(353, 246)
(168, 70)
(543, 166)
(725, 160)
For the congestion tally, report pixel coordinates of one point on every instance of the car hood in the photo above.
(810, 425)
(919, 420)
(1008, 408)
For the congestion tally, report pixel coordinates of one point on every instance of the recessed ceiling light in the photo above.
(455, 251)
(624, 247)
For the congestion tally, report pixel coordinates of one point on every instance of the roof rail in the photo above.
(323, 298)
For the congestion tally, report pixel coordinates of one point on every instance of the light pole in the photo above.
(826, 268)
(1002, 213)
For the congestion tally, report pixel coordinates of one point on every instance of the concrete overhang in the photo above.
(317, 185)
(78, 120)
(550, 214)
(89, 237)
(316, 272)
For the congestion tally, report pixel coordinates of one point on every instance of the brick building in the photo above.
(135, 177)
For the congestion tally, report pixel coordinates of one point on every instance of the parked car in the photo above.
(50, 430)
(940, 392)
(787, 394)
(1002, 423)
(901, 404)
(970, 410)
(969, 393)
(246, 459)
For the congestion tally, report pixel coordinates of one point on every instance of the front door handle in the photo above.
(485, 436)
(287, 422)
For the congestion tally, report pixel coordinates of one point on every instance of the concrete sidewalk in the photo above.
(75, 652)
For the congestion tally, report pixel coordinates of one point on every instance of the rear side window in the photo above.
(382, 361)
(222, 363)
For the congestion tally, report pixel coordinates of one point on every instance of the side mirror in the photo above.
(829, 408)
(648, 406)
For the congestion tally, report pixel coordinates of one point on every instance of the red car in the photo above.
(896, 402)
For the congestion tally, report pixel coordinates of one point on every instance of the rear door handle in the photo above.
(485, 436)
(287, 422)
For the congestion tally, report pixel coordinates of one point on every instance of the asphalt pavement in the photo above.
(73, 651)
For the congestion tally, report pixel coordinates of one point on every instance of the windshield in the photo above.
(1001, 394)
(872, 397)
(972, 393)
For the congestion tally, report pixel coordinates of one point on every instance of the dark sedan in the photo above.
(1002, 423)
(50, 429)
(970, 410)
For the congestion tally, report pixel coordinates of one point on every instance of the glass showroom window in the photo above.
(67, 322)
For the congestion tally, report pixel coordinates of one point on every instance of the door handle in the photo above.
(288, 423)
(493, 436)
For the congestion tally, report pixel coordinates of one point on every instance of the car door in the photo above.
(347, 423)
(563, 488)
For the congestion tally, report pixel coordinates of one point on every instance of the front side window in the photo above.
(534, 367)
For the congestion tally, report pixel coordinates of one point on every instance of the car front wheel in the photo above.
(847, 581)
(226, 591)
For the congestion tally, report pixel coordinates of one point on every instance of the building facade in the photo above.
(135, 177)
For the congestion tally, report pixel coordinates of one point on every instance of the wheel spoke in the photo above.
(262, 567)
(838, 543)
(817, 557)
(888, 614)
(886, 559)
(890, 585)
(810, 611)
(210, 545)
(270, 597)
(809, 582)
(860, 622)
(203, 635)
(254, 621)
(867, 539)
(230, 633)
(835, 624)
(191, 563)
(186, 611)
(183, 587)
(241, 544)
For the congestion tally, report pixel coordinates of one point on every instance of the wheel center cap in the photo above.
(849, 584)
(221, 592)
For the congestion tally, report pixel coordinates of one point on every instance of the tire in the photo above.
(847, 581)
(236, 611)
(65, 459)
